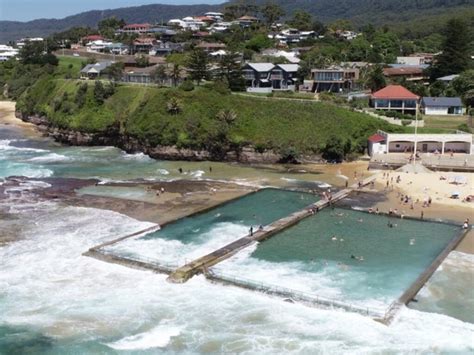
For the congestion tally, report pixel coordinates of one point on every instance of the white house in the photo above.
(442, 106)
(7, 52)
(385, 143)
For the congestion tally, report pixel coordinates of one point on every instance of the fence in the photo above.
(296, 295)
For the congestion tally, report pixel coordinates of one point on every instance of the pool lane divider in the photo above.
(202, 264)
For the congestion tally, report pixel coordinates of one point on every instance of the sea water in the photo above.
(53, 300)
(203, 233)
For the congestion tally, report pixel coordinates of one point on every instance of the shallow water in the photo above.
(53, 300)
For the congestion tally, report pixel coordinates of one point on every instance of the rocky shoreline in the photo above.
(247, 155)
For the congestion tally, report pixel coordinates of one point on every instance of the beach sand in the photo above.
(422, 186)
(8, 118)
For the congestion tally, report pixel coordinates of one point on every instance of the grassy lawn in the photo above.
(69, 66)
(444, 122)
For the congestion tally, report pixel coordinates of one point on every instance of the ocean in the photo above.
(53, 300)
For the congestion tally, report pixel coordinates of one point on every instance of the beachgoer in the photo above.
(347, 184)
(260, 228)
(422, 215)
(180, 170)
(210, 169)
(429, 201)
(377, 211)
(390, 225)
(251, 231)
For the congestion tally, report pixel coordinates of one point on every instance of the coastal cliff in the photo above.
(202, 124)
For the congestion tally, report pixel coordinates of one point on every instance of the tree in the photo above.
(173, 106)
(334, 149)
(142, 61)
(176, 60)
(375, 79)
(108, 26)
(301, 20)
(227, 116)
(271, 12)
(198, 66)
(99, 92)
(229, 68)
(258, 42)
(455, 53)
(114, 71)
(36, 53)
(159, 75)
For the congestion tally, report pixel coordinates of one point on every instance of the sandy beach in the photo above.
(7, 117)
(438, 186)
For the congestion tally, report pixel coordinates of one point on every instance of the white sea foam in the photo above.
(137, 156)
(158, 337)
(5, 145)
(47, 285)
(163, 171)
(50, 158)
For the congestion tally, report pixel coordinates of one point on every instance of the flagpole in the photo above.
(416, 132)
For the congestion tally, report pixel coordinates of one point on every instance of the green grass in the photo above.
(444, 122)
(69, 67)
(141, 112)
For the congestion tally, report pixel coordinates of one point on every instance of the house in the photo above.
(334, 79)
(93, 71)
(267, 77)
(442, 106)
(284, 77)
(210, 47)
(91, 38)
(143, 44)
(410, 73)
(7, 52)
(138, 28)
(247, 21)
(395, 98)
(162, 49)
(257, 77)
(412, 60)
(140, 75)
(385, 143)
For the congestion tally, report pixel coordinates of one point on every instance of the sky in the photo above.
(26, 10)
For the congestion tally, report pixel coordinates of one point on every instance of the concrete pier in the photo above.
(197, 266)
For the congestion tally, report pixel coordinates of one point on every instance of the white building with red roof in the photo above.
(395, 98)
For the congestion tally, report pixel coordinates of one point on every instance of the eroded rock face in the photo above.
(247, 155)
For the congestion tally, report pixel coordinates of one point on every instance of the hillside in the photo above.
(391, 12)
(142, 114)
(11, 30)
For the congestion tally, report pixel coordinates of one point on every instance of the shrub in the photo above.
(187, 85)
(289, 155)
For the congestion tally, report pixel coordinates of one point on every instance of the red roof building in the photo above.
(92, 38)
(376, 138)
(395, 98)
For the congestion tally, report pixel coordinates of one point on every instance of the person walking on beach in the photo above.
(251, 231)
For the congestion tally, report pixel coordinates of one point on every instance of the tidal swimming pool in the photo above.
(194, 236)
(344, 255)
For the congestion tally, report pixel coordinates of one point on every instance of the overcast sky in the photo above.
(25, 10)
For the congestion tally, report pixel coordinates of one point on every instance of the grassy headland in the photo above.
(143, 113)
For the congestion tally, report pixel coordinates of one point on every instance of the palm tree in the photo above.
(173, 106)
(226, 116)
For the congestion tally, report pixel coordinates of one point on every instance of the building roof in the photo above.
(261, 67)
(448, 77)
(441, 101)
(96, 67)
(134, 25)
(248, 18)
(394, 92)
(211, 45)
(376, 138)
(289, 67)
(92, 38)
(407, 70)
